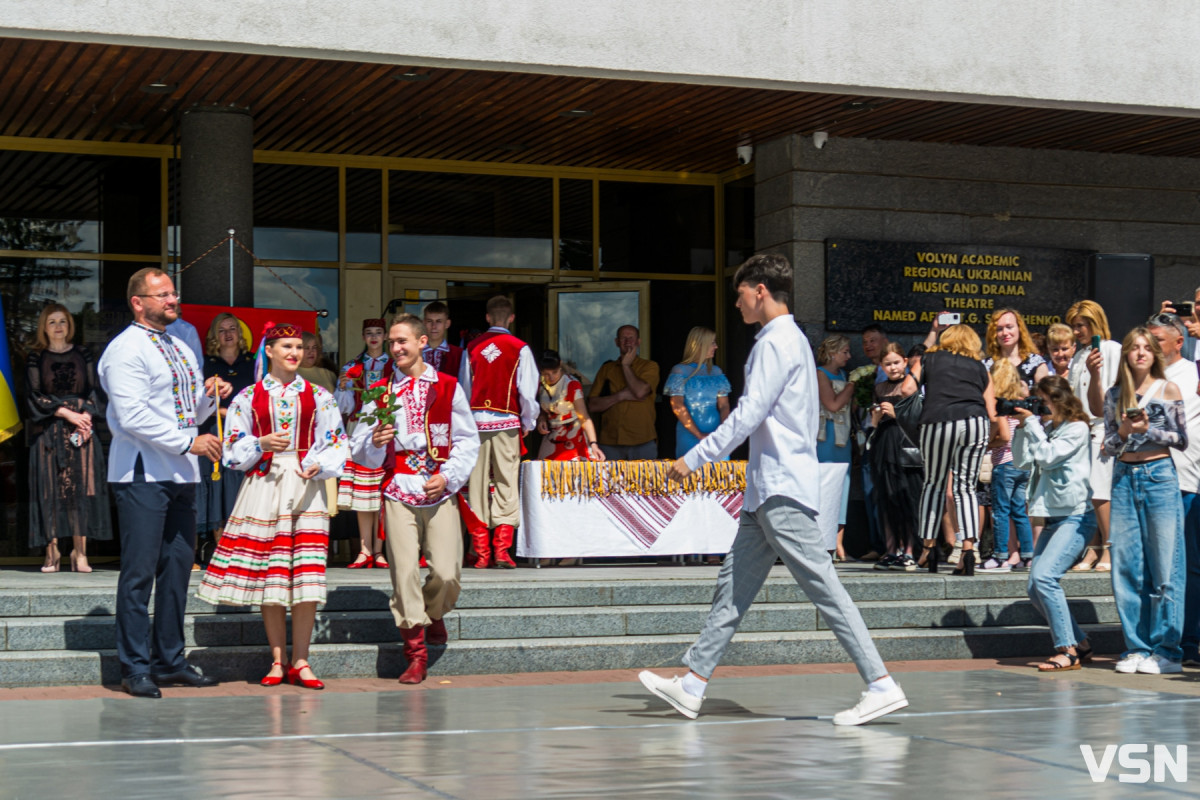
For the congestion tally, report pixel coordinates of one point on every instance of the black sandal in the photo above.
(1054, 666)
(1085, 656)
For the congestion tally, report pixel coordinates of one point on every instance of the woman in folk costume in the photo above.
(569, 432)
(286, 433)
(359, 487)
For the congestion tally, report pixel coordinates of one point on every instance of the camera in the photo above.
(1007, 408)
(745, 153)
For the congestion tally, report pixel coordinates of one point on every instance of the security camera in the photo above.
(745, 153)
(820, 138)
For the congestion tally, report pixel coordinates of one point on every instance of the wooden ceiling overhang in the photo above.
(95, 92)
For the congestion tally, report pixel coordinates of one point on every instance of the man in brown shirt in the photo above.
(624, 394)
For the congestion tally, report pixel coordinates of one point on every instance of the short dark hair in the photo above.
(771, 270)
(917, 350)
(874, 327)
(550, 360)
(414, 323)
(137, 282)
(438, 307)
(499, 304)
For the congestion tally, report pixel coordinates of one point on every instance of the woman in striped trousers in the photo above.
(955, 428)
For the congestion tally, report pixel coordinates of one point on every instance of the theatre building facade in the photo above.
(601, 166)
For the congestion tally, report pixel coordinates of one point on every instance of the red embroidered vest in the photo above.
(359, 384)
(494, 358)
(439, 404)
(262, 422)
(446, 361)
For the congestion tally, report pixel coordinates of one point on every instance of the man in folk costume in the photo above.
(439, 353)
(500, 376)
(427, 455)
(286, 433)
(358, 489)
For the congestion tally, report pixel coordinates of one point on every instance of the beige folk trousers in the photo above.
(436, 533)
(499, 456)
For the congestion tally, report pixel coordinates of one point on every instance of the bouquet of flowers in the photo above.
(863, 379)
(386, 405)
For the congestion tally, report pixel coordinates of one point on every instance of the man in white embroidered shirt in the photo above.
(778, 413)
(157, 398)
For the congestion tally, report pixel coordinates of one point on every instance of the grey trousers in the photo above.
(783, 527)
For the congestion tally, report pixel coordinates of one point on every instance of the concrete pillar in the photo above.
(216, 194)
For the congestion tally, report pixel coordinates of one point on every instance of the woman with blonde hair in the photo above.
(311, 368)
(1144, 417)
(68, 486)
(955, 426)
(1060, 342)
(1092, 370)
(1008, 338)
(833, 433)
(699, 391)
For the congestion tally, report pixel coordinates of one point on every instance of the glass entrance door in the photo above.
(584, 319)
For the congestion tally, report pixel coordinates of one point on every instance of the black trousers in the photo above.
(158, 541)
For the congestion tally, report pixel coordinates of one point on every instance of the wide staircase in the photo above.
(59, 629)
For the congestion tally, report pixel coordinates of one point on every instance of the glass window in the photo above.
(462, 220)
(575, 224)
(61, 202)
(587, 326)
(739, 220)
(655, 227)
(317, 286)
(364, 215)
(295, 212)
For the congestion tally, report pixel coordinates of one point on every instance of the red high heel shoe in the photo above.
(364, 561)
(275, 680)
(381, 561)
(293, 677)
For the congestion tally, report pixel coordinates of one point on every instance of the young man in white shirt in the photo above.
(778, 413)
(157, 398)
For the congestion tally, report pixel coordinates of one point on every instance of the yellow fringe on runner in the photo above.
(590, 479)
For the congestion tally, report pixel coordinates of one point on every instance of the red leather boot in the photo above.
(481, 545)
(502, 541)
(415, 654)
(436, 633)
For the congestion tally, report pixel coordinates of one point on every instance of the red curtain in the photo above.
(254, 320)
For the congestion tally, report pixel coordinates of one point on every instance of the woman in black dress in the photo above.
(68, 482)
(227, 356)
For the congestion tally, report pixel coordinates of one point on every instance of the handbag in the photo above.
(985, 471)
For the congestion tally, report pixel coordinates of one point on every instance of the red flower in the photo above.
(355, 372)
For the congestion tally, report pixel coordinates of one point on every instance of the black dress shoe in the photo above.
(140, 686)
(188, 676)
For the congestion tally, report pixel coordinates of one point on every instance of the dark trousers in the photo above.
(158, 541)
(1191, 603)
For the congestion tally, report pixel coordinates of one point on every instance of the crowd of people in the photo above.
(1077, 445)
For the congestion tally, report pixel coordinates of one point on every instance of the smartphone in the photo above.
(1184, 308)
(1134, 413)
(1095, 342)
(949, 318)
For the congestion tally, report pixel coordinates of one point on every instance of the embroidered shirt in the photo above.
(330, 444)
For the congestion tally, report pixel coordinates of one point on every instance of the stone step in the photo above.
(366, 627)
(549, 593)
(500, 656)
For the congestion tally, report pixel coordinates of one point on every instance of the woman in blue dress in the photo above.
(699, 391)
(833, 435)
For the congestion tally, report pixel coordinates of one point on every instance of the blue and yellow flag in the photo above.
(10, 419)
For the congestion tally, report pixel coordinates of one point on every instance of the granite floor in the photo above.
(986, 732)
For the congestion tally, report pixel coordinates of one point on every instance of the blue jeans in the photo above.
(1008, 503)
(1060, 545)
(1149, 569)
(1191, 612)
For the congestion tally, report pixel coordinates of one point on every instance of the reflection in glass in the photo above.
(575, 224)
(317, 285)
(364, 215)
(295, 212)
(464, 220)
(587, 327)
(739, 220)
(654, 227)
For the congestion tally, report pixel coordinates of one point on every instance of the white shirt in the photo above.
(1187, 462)
(1080, 379)
(527, 388)
(411, 437)
(778, 412)
(182, 329)
(144, 414)
(330, 445)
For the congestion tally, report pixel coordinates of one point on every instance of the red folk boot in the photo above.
(415, 654)
(503, 540)
(435, 633)
(481, 545)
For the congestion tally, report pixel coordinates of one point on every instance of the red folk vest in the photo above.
(262, 423)
(439, 404)
(494, 358)
(446, 361)
(359, 383)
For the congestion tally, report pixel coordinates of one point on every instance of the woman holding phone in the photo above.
(1092, 370)
(1143, 417)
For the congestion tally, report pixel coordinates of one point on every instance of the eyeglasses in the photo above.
(163, 296)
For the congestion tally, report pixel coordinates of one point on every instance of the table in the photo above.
(640, 525)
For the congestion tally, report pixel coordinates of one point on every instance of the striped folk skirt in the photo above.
(275, 543)
(359, 488)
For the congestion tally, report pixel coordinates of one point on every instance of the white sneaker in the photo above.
(1157, 665)
(872, 705)
(1129, 664)
(673, 692)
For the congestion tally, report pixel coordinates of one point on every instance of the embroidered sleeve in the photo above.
(241, 450)
(330, 446)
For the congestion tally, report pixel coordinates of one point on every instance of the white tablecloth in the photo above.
(583, 527)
